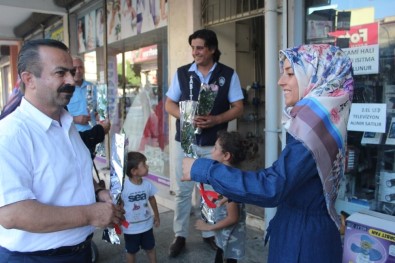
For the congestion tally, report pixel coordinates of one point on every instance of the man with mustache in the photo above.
(48, 209)
(90, 137)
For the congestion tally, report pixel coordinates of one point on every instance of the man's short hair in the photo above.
(29, 56)
(210, 41)
(78, 57)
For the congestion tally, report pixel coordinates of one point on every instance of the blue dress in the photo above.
(302, 230)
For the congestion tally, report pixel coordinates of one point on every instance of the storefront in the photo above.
(126, 45)
(366, 32)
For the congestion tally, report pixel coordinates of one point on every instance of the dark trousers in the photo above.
(82, 256)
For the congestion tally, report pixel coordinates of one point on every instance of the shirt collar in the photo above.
(43, 120)
(83, 85)
(194, 67)
(203, 79)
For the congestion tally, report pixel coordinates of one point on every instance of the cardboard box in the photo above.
(369, 237)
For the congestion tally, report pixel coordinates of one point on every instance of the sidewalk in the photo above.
(196, 250)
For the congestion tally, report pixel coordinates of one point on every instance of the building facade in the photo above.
(132, 48)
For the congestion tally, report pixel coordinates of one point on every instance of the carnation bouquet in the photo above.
(187, 128)
(102, 103)
(207, 95)
(102, 110)
(206, 99)
(188, 110)
(90, 103)
(117, 178)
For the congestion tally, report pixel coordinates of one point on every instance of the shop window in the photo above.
(319, 24)
(90, 66)
(131, 86)
(365, 30)
(143, 117)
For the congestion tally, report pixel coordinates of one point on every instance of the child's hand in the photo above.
(201, 225)
(156, 221)
(222, 201)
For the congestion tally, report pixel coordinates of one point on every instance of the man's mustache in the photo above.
(67, 88)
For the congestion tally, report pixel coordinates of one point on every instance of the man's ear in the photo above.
(27, 79)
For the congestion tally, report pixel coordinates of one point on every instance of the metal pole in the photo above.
(271, 92)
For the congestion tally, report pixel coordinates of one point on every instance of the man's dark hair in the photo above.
(134, 158)
(210, 41)
(29, 56)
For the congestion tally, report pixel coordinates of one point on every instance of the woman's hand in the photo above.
(186, 168)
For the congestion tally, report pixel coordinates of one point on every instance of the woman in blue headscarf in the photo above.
(318, 86)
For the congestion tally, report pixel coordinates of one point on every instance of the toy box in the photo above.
(369, 238)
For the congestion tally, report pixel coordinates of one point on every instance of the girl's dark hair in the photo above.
(29, 56)
(133, 160)
(233, 143)
(210, 41)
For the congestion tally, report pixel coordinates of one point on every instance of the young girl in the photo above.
(136, 195)
(230, 216)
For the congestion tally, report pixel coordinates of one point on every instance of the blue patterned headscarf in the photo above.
(319, 118)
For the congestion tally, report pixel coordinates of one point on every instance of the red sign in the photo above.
(145, 54)
(360, 35)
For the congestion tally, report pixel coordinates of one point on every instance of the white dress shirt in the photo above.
(45, 160)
